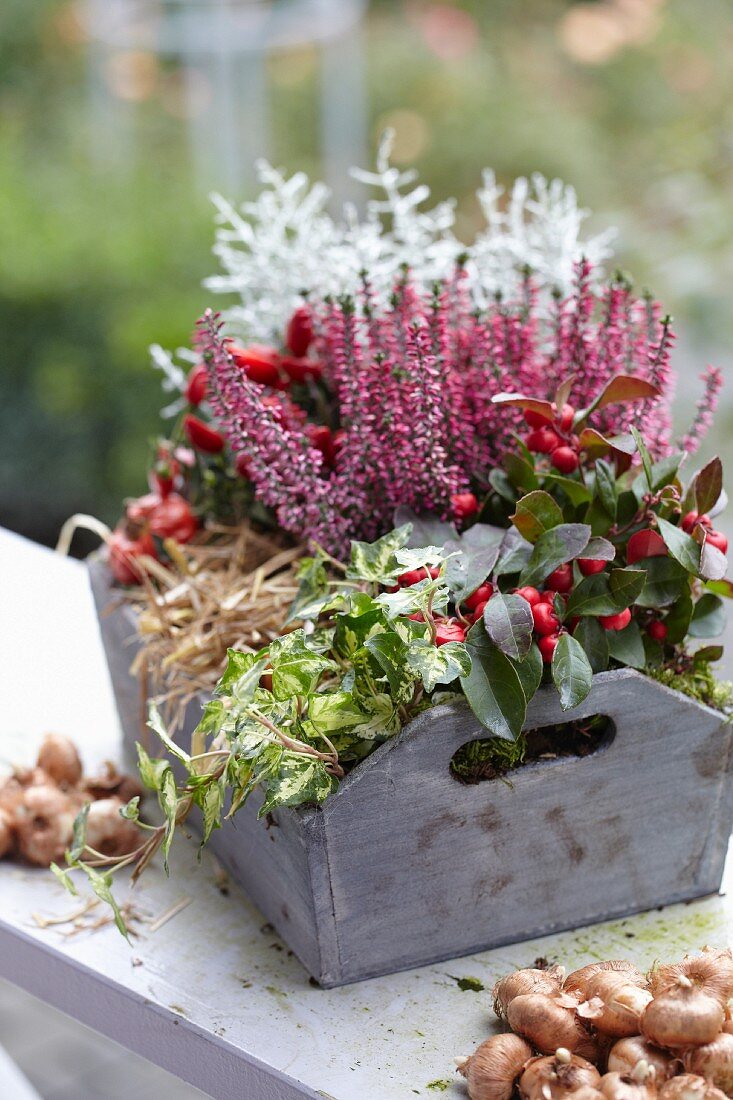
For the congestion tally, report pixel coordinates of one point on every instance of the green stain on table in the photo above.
(468, 985)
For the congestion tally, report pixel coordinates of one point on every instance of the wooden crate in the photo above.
(404, 865)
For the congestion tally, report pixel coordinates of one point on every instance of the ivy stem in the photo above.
(299, 746)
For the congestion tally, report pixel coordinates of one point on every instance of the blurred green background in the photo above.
(106, 156)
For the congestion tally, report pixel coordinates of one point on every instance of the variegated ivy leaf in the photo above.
(438, 664)
(168, 799)
(313, 589)
(242, 675)
(365, 619)
(419, 558)
(382, 719)
(390, 653)
(150, 770)
(211, 803)
(298, 779)
(296, 669)
(155, 723)
(376, 561)
(414, 598)
(79, 836)
(334, 711)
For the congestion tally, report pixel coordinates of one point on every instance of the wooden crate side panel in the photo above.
(423, 867)
(273, 865)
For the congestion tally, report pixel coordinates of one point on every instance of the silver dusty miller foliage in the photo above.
(285, 244)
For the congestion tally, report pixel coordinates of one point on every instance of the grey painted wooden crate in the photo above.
(405, 866)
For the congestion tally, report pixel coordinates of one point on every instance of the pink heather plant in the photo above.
(407, 389)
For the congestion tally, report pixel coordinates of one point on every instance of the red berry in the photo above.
(124, 549)
(565, 459)
(657, 631)
(412, 576)
(530, 594)
(545, 619)
(690, 521)
(548, 596)
(616, 622)
(448, 630)
(300, 368)
(645, 544)
(243, 466)
(417, 616)
(566, 417)
(321, 438)
(547, 646)
(173, 518)
(434, 572)
(536, 419)
(561, 579)
(718, 539)
(260, 363)
(481, 595)
(478, 612)
(589, 566)
(203, 437)
(196, 384)
(542, 441)
(299, 333)
(464, 505)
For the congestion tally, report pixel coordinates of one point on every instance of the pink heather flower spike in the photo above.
(706, 406)
(408, 395)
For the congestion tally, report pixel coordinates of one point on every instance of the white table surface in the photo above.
(213, 995)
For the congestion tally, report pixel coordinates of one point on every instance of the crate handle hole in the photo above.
(496, 758)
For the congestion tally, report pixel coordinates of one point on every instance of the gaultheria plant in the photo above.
(406, 395)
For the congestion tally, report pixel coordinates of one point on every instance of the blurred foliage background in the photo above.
(106, 228)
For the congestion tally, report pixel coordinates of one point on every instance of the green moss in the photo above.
(489, 757)
(469, 985)
(700, 683)
(439, 1086)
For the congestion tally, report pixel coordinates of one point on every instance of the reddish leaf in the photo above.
(624, 389)
(709, 486)
(519, 401)
(595, 443)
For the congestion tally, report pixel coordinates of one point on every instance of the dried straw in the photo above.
(230, 587)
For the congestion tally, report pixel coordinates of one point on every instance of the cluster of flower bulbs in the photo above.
(609, 1032)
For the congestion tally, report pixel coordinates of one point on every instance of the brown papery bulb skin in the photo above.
(617, 1086)
(7, 833)
(60, 760)
(579, 979)
(587, 1092)
(626, 1054)
(109, 833)
(545, 1023)
(710, 972)
(623, 1003)
(44, 823)
(690, 1087)
(493, 1068)
(556, 1077)
(684, 1017)
(525, 981)
(714, 1062)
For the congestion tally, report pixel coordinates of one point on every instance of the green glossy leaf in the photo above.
(678, 618)
(571, 671)
(296, 669)
(474, 557)
(627, 646)
(438, 664)
(666, 580)
(708, 486)
(592, 637)
(592, 596)
(707, 655)
(576, 492)
(662, 473)
(599, 549)
(520, 472)
(680, 545)
(241, 677)
(427, 530)
(708, 618)
(514, 554)
(509, 624)
(646, 460)
(211, 804)
(554, 548)
(501, 484)
(334, 711)
(713, 562)
(375, 561)
(627, 507)
(493, 688)
(536, 513)
(530, 671)
(626, 586)
(605, 487)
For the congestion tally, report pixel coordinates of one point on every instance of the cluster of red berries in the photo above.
(554, 436)
(160, 514)
(267, 366)
(712, 537)
(547, 623)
